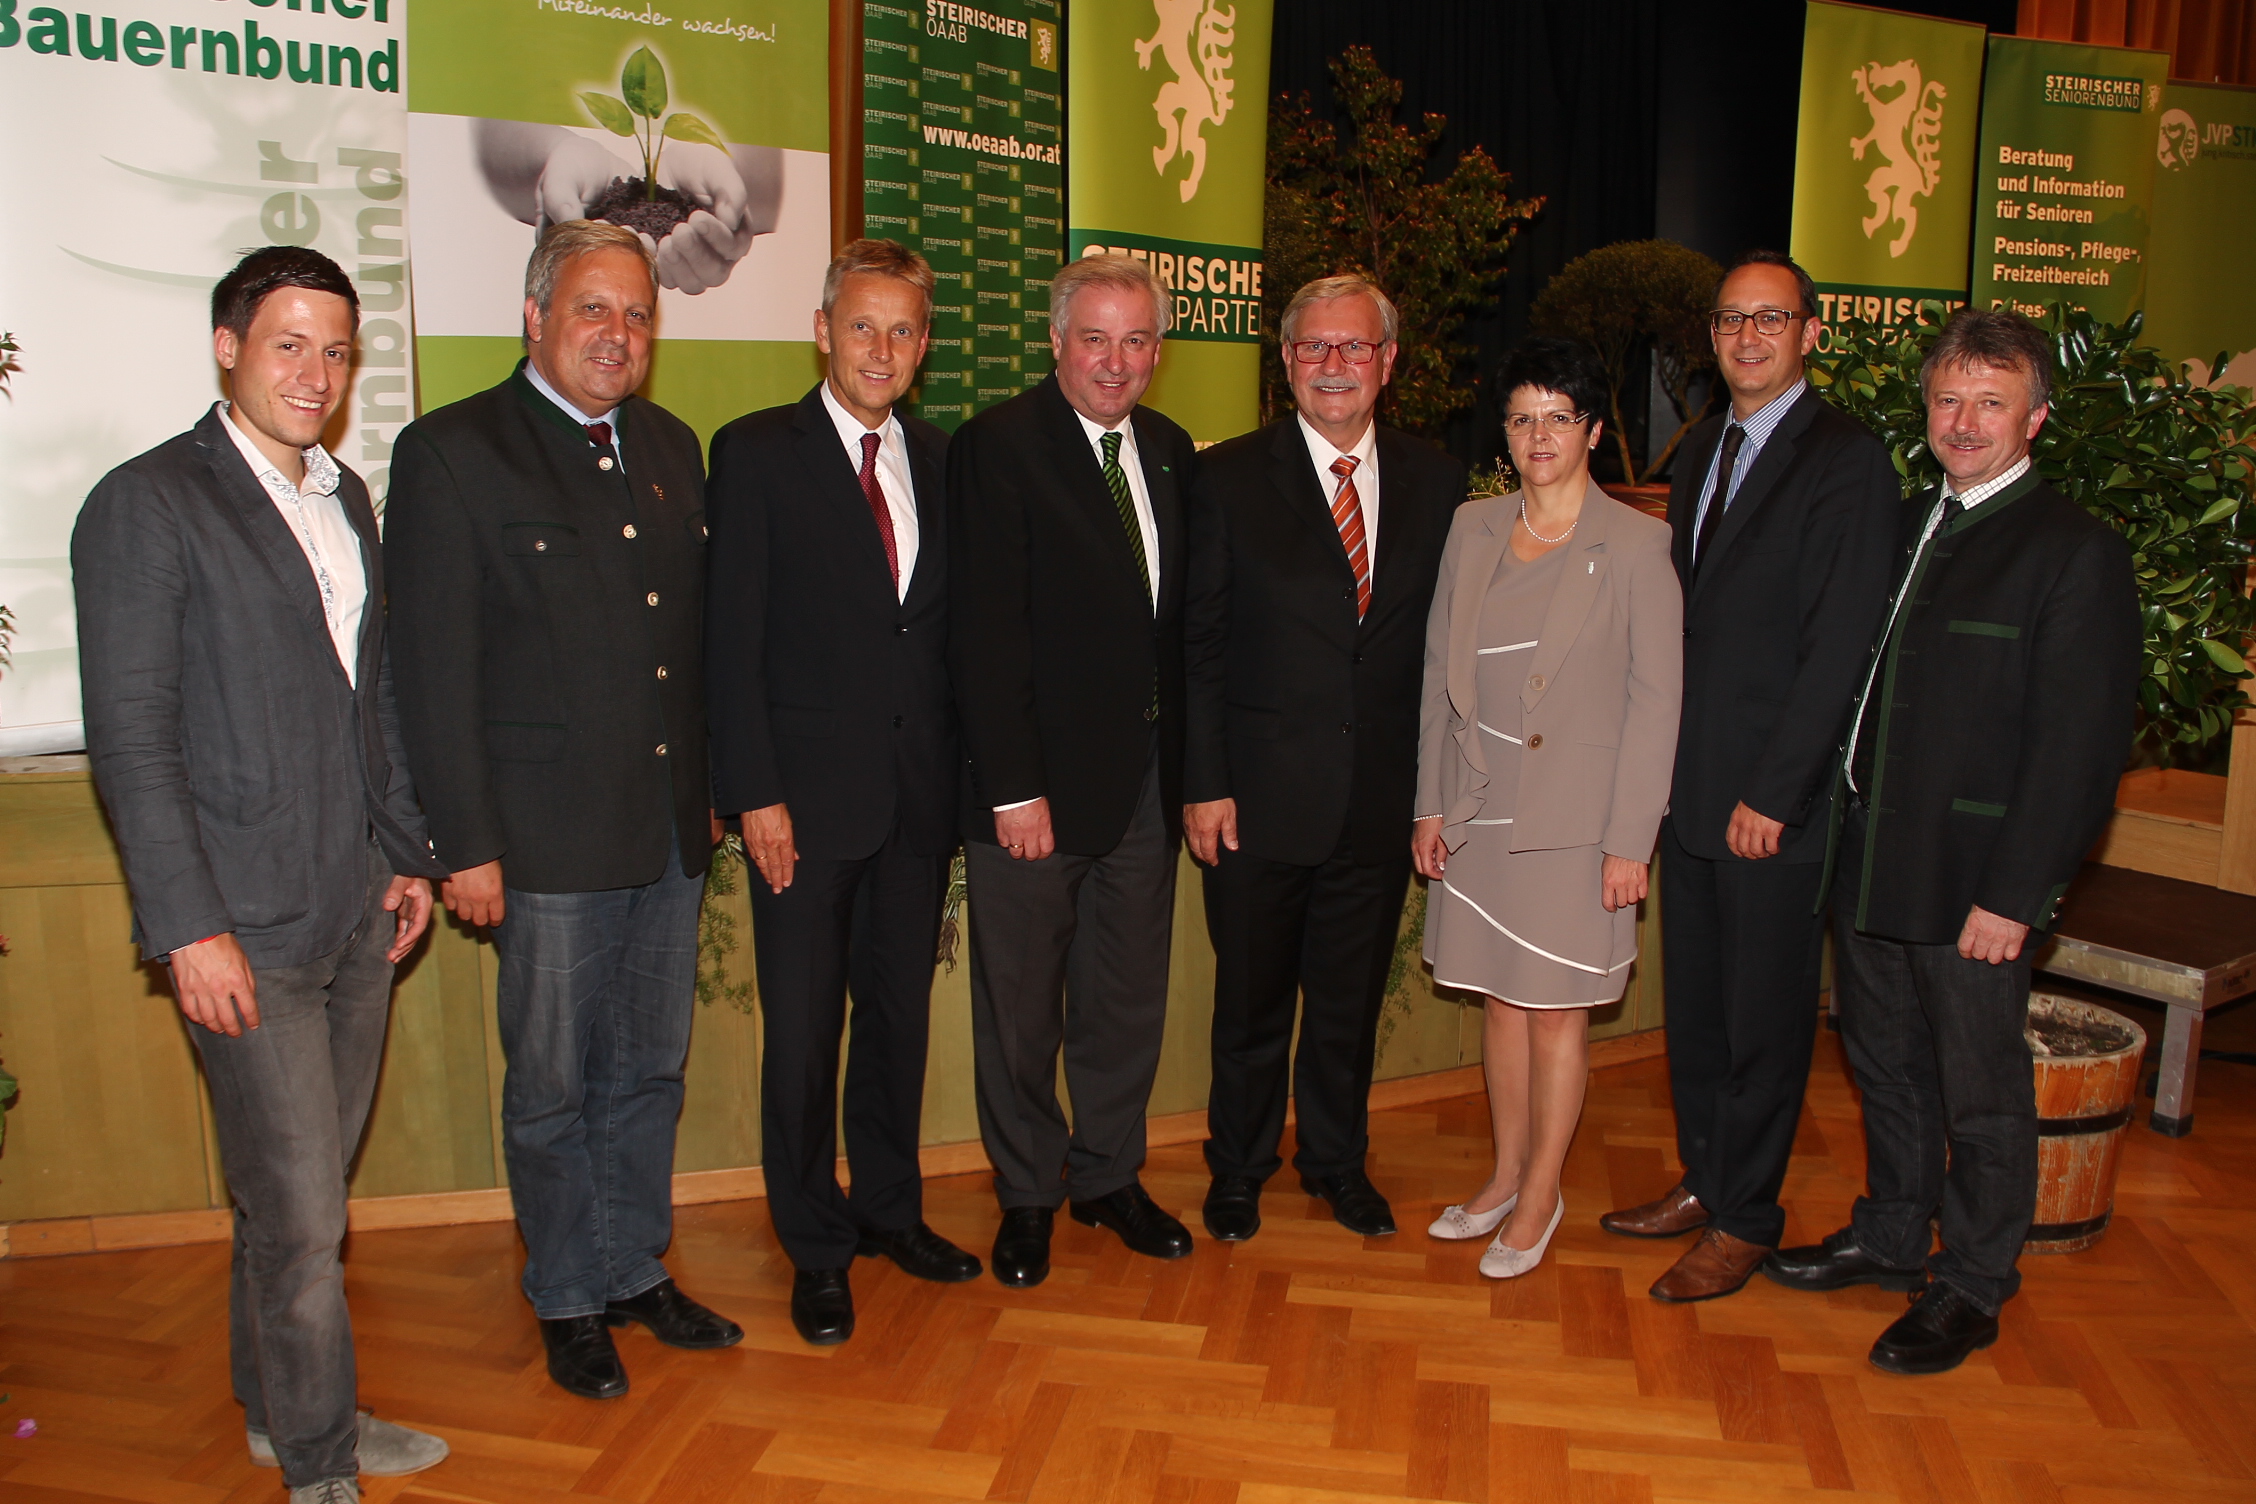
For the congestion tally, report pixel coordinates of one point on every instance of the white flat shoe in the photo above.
(1503, 1261)
(1461, 1226)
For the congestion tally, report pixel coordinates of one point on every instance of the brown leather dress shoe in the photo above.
(1678, 1211)
(1719, 1264)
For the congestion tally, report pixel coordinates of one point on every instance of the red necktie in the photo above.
(1347, 516)
(875, 494)
(599, 434)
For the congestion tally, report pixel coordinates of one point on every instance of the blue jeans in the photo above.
(289, 1100)
(595, 998)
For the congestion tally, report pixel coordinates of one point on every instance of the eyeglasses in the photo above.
(1520, 425)
(1768, 320)
(1311, 352)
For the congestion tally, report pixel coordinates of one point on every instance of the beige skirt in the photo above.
(1528, 927)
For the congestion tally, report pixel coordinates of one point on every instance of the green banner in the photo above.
(704, 131)
(1884, 171)
(962, 114)
(2067, 164)
(1167, 133)
(2201, 299)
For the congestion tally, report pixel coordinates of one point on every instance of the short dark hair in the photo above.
(1760, 257)
(2001, 339)
(236, 298)
(1556, 365)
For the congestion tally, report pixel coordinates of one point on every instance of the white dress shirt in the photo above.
(608, 415)
(892, 476)
(1321, 453)
(316, 518)
(1134, 470)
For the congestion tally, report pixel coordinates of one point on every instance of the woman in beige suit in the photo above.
(1553, 672)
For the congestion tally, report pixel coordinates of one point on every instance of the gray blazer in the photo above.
(1603, 688)
(243, 773)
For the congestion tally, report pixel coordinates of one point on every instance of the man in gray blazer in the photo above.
(239, 714)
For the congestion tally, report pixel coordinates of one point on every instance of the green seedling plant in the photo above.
(636, 115)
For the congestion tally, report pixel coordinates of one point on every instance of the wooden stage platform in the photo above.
(1303, 1366)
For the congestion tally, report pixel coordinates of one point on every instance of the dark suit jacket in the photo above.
(1303, 715)
(242, 771)
(547, 626)
(1778, 623)
(1053, 641)
(826, 690)
(2004, 715)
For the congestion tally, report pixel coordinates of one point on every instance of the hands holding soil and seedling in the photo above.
(697, 201)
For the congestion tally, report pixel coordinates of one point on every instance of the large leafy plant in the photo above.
(2168, 464)
(636, 115)
(1364, 202)
(1630, 300)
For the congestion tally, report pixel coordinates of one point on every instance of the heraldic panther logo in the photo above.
(2179, 141)
(1195, 38)
(1907, 126)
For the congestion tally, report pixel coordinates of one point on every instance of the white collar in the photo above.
(1319, 447)
(532, 374)
(1096, 431)
(851, 428)
(321, 472)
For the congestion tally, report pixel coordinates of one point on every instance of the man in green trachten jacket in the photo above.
(1982, 762)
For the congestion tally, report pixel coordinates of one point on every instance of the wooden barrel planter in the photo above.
(2087, 1061)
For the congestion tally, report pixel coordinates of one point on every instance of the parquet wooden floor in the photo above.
(1305, 1365)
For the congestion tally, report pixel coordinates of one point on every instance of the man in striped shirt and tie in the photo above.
(1315, 543)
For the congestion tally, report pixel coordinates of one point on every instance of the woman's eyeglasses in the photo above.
(1519, 425)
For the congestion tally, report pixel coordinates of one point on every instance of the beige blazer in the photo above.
(1599, 703)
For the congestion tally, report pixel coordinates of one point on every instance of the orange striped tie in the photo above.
(1347, 516)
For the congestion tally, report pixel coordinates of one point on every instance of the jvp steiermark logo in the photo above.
(1907, 127)
(1195, 38)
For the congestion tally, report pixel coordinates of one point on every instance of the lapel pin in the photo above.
(658, 490)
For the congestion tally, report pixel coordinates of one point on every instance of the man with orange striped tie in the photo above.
(1315, 543)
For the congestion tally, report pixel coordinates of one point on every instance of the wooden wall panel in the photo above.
(108, 1116)
(430, 1129)
(113, 1119)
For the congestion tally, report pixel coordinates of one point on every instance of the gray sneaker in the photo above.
(328, 1491)
(386, 1451)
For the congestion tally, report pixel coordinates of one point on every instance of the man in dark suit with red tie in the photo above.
(834, 738)
(1304, 638)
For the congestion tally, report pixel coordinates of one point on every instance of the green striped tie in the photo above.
(1117, 479)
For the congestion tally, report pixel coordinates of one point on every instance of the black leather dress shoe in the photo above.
(1356, 1203)
(922, 1252)
(581, 1358)
(675, 1319)
(1022, 1246)
(1935, 1335)
(1233, 1208)
(1836, 1264)
(822, 1306)
(1131, 1212)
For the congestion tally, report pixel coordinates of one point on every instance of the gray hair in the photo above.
(1103, 269)
(1325, 289)
(886, 258)
(2000, 339)
(569, 240)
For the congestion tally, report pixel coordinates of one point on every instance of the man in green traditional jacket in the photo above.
(1983, 757)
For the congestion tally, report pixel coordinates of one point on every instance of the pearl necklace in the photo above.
(1538, 537)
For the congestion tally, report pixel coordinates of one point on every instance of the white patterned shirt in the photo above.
(316, 518)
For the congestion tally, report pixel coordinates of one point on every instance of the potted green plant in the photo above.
(2166, 462)
(1365, 202)
(1630, 301)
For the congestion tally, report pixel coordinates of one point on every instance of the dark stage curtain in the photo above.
(1564, 97)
